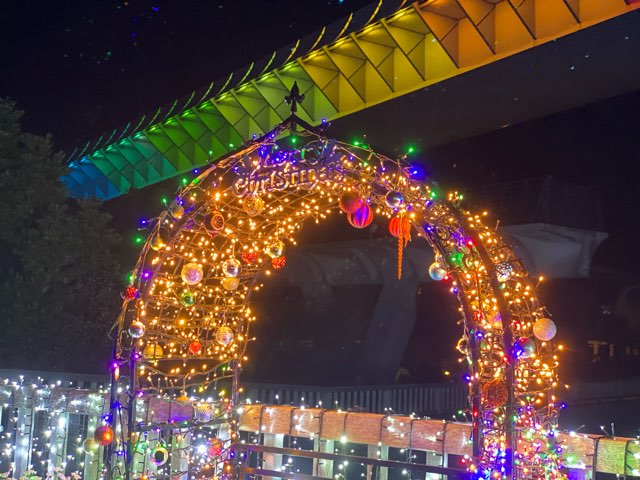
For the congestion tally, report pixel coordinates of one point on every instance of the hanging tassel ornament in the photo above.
(400, 227)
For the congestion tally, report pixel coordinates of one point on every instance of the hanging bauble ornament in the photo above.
(230, 283)
(187, 298)
(152, 352)
(136, 329)
(400, 227)
(224, 335)
(215, 447)
(195, 347)
(494, 393)
(159, 456)
(249, 257)
(191, 273)
(131, 293)
(177, 211)
(524, 347)
(279, 263)
(204, 412)
(275, 249)
(437, 271)
(103, 435)
(216, 222)
(362, 217)
(156, 242)
(350, 202)
(90, 445)
(463, 345)
(231, 267)
(504, 271)
(183, 399)
(544, 329)
(393, 199)
(253, 205)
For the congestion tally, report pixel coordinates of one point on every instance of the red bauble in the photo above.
(350, 202)
(195, 347)
(495, 393)
(103, 435)
(362, 217)
(400, 226)
(215, 447)
(131, 293)
(249, 257)
(279, 263)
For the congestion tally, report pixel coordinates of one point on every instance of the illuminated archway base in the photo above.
(185, 322)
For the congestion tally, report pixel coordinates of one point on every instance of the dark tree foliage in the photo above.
(59, 271)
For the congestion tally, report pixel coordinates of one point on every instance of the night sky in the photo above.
(79, 68)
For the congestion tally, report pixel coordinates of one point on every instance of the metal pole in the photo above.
(131, 412)
(113, 392)
(507, 340)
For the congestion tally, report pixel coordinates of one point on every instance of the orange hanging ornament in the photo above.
(400, 227)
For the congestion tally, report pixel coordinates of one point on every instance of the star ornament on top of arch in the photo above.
(187, 314)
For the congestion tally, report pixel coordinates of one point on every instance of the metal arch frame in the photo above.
(446, 211)
(369, 58)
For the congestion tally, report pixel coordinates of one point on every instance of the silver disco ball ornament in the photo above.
(437, 272)
(204, 412)
(231, 267)
(136, 329)
(276, 249)
(191, 273)
(545, 329)
(224, 335)
(504, 271)
(393, 199)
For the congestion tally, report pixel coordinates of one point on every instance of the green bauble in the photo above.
(187, 298)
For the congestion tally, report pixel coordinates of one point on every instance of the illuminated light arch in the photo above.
(186, 316)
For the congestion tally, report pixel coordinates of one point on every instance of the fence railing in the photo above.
(431, 399)
(45, 417)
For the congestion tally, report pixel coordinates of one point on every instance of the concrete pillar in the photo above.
(435, 459)
(322, 467)
(23, 433)
(58, 440)
(372, 452)
(180, 454)
(389, 330)
(91, 460)
(272, 461)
